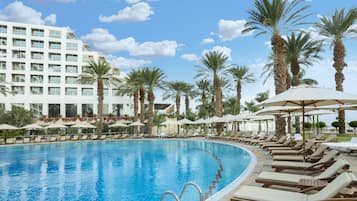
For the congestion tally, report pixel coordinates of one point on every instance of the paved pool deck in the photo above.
(263, 158)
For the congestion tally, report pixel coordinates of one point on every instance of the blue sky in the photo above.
(172, 34)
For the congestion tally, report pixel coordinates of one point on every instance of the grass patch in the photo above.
(340, 137)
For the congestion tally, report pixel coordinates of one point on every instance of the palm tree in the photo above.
(214, 64)
(203, 88)
(175, 90)
(101, 73)
(241, 75)
(153, 78)
(189, 93)
(250, 106)
(230, 106)
(276, 16)
(262, 96)
(337, 28)
(131, 87)
(157, 120)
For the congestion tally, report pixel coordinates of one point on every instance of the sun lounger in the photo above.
(308, 146)
(343, 146)
(37, 139)
(84, 137)
(284, 144)
(293, 180)
(19, 140)
(324, 162)
(75, 138)
(62, 138)
(102, 137)
(298, 145)
(10, 140)
(68, 137)
(124, 136)
(116, 136)
(331, 190)
(94, 137)
(52, 139)
(27, 140)
(330, 138)
(280, 141)
(316, 155)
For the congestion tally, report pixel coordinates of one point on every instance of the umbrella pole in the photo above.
(303, 129)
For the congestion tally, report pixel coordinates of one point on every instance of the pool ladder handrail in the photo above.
(178, 198)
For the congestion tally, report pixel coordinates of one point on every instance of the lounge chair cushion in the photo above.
(292, 179)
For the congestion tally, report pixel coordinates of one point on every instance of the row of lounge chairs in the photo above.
(302, 171)
(63, 138)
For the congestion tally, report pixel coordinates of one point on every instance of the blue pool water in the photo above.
(116, 170)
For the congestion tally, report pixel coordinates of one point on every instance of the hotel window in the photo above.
(18, 66)
(72, 46)
(54, 91)
(71, 57)
(117, 109)
(71, 69)
(3, 65)
(71, 36)
(54, 79)
(55, 34)
(18, 78)
(36, 79)
(36, 67)
(54, 110)
(19, 42)
(2, 53)
(71, 110)
(87, 110)
(37, 32)
(3, 77)
(71, 91)
(105, 109)
(71, 80)
(18, 89)
(106, 92)
(36, 90)
(19, 30)
(37, 55)
(36, 109)
(3, 29)
(54, 57)
(53, 68)
(18, 54)
(37, 44)
(87, 92)
(3, 41)
(55, 45)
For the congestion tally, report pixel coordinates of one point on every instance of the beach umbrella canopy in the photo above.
(216, 119)
(314, 113)
(137, 124)
(171, 122)
(117, 124)
(185, 121)
(55, 125)
(32, 127)
(7, 127)
(83, 125)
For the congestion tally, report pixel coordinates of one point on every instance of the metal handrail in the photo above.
(196, 186)
(167, 193)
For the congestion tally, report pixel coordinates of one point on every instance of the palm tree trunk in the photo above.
(142, 107)
(339, 53)
(100, 107)
(187, 105)
(151, 99)
(136, 109)
(219, 106)
(295, 71)
(280, 73)
(178, 105)
(239, 93)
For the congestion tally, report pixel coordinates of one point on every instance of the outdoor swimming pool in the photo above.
(133, 170)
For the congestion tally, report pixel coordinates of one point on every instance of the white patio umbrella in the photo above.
(32, 127)
(117, 124)
(55, 125)
(310, 96)
(137, 124)
(83, 125)
(185, 121)
(7, 127)
(171, 122)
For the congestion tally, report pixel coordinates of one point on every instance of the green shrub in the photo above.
(353, 124)
(307, 125)
(335, 124)
(321, 124)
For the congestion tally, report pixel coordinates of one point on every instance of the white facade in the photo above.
(42, 64)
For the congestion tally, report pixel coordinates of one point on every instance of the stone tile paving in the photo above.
(264, 158)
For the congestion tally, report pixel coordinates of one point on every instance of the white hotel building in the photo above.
(41, 65)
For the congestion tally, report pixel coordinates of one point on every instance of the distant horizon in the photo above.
(174, 35)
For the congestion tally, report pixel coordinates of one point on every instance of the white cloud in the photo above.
(206, 41)
(124, 63)
(136, 13)
(225, 50)
(190, 57)
(18, 12)
(132, 1)
(314, 34)
(63, 1)
(105, 41)
(229, 30)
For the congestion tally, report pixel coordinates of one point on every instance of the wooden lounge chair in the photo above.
(116, 136)
(94, 137)
(84, 137)
(19, 140)
(324, 162)
(37, 139)
(75, 138)
(52, 139)
(68, 137)
(286, 143)
(102, 137)
(293, 180)
(331, 190)
(62, 138)
(10, 140)
(280, 141)
(27, 140)
(308, 146)
(257, 139)
(330, 138)
(316, 155)
(124, 136)
(297, 146)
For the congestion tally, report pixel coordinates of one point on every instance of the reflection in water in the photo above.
(126, 170)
